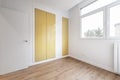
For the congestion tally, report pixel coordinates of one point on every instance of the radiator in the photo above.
(117, 57)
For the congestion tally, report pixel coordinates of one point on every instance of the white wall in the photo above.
(14, 30)
(98, 52)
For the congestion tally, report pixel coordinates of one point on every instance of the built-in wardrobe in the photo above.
(45, 32)
(65, 25)
(45, 35)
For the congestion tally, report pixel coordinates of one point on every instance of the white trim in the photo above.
(108, 21)
(36, 64)
(104, 28)
(44, 61)
(113, 4)
(93, 12)
(80, 25)
(113, 38)
(4, 73)
(84, 38)
(90, 2)
(33, 38)
(107, 18)
(94, 64)
(83, 6)
(86, 3)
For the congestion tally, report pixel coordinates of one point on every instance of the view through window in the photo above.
(101, 19)
(93, 25)
(115, 21)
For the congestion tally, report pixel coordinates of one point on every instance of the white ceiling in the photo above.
(63, 5)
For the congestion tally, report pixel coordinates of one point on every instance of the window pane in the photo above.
(96, 5)
(115, 21)
(92, 26)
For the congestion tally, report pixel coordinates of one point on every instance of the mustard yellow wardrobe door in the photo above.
(64, 36)
(51, 33)
(40, 35)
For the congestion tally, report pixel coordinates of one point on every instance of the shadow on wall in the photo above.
(13, 31)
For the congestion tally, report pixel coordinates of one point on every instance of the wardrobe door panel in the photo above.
(40, 35)
(51, 33)
(64, 36)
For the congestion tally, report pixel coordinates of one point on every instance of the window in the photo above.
(96, 5)
(115, 21)
(101, 19)
(93, 26)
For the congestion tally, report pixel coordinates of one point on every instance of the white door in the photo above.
(13, 45)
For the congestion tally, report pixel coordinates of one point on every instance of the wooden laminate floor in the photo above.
(62, 69)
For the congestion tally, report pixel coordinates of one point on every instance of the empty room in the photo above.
(59, 39)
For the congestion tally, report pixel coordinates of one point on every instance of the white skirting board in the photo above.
(94, 64)
(35, 63)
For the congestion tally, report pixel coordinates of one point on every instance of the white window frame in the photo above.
(106, 20)
(91, 13)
